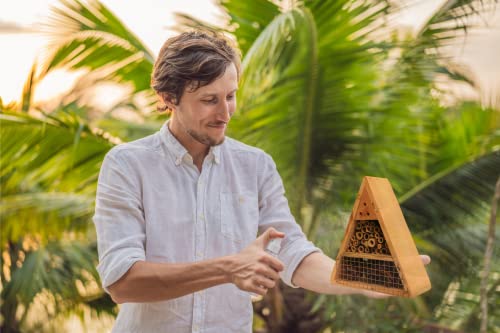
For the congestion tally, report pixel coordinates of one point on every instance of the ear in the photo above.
(169, 100)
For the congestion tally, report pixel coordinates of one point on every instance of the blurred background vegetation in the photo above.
(333, 92)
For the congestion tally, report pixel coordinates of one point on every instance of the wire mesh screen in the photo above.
(371, 271)
(368, 237)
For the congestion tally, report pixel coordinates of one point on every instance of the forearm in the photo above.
(153, 282)
(314, 273)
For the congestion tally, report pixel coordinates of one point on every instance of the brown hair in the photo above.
(192, 59)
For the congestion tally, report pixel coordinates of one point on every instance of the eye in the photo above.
(210, 101)
(230, 97)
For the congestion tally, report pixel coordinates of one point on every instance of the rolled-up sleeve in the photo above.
(118, 218)
(275, 212)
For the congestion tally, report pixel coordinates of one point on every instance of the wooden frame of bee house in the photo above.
(377, 252)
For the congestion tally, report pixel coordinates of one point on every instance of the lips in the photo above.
(218, 125)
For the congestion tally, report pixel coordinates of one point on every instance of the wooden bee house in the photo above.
(377, 251)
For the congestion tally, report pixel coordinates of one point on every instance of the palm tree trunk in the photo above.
(487, 260)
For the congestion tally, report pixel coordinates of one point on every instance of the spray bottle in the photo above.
(273, 248)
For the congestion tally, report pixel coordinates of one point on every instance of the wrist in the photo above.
(226, 264)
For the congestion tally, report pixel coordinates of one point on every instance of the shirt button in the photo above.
(202, 217)
(199, 255)
(195, 328)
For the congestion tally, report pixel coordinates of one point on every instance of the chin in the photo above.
(217, 142)
(206, 139)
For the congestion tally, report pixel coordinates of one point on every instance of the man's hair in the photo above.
(191, 60)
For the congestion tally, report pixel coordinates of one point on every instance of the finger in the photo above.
(377, 295)
(426, 260)
(258, 289)
(268, 272)
(264, 282)
(273, 262)
(273, 233)
(267, 235)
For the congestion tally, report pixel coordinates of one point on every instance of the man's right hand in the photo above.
(255, 270)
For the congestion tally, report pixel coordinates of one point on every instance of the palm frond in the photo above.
(450, 21)
(248, 19)
(28, 89)
(89, 36)
(245, 20)
(186, 22)
(449, 216)
(47, 214)
(453, 16)
(65, 271)
(274, 72)
(49, 166)
(129, 130)
(460, 307)
(293, 100)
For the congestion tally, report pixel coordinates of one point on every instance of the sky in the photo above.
(151, 21)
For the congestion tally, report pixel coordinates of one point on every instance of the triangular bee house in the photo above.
(377, 251)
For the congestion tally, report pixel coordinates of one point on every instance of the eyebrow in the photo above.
(215, 94)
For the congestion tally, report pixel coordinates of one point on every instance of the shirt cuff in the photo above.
(112, 270)
(292, 258)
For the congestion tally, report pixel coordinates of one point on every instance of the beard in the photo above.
(205, 139)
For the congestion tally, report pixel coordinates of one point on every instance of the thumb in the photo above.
(426, 260)
(267, 235)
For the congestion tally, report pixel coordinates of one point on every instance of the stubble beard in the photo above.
(205, 139)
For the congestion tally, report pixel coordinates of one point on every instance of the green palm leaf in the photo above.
(65, 271)
(460, 307)
(449, 215)
(293, 101)
(49, 169)
(449, 22)
(89, 36)
(130, 130)
(247, 19)
(48, 176)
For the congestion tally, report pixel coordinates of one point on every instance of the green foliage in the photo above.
(449, 215)
(61, 276)
(48, 178)
(460, 305)
(325, 92)
(294, 102)
(49, 173)
(89, 36)
(330, 102)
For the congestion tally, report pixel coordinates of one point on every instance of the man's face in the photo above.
(205, 113)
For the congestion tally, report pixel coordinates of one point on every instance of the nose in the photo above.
(225, 110)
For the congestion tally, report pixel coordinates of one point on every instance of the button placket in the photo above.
(200, 218)
(200, 235)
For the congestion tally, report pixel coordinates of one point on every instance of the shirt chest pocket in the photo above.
(239, 216)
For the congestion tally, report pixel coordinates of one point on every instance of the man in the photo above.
(178, 212)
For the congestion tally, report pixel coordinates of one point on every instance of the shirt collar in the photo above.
(179, 152)
(214, 154)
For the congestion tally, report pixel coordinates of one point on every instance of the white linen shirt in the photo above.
(153, 204)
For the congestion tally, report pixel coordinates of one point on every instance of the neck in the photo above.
(196, 149)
